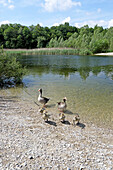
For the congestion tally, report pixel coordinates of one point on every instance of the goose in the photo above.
(41, 110)
(62, 117)
(76, 119)
(62, 105)
(45, 116)
(42, 100)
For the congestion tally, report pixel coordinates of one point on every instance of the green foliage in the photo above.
(85, 52)
(56, 42)
(41, 41)
(86, 40)
(99, 46)
(11, 70)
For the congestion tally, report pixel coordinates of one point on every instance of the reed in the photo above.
(47, 51)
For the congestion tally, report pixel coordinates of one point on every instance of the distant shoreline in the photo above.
(38, 49)
(50, 49)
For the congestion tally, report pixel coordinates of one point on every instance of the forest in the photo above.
(86, 39)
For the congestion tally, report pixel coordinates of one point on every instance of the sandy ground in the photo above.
(105, 54)
(28, 142)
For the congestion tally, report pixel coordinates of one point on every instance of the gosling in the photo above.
(45, 116)
(76, 120)
(62, 117)
(41, 110)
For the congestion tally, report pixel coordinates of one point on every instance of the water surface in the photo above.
(86, 81)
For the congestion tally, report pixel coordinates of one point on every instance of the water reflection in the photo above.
(66, 65)
(86, 81)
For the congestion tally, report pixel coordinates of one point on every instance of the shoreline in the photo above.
(38, 49)
(105, 54)
(30, 143)
(50, 49)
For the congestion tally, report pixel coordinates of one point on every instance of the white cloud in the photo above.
(63, 22)
(40, 24)
(66, 20)
(99, 10)
(51, 5)
(5, 22)
(11, 6)
(3, 2)
(7, 3)
(10, 1)
(92, 23)
(110, 23)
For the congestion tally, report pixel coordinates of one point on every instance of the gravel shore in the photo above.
(29, 143)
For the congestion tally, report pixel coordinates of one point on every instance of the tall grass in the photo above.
(51, 51)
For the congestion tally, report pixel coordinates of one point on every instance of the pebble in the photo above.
(49, 147)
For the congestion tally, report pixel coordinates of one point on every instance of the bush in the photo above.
(99, 46)
(11, 71)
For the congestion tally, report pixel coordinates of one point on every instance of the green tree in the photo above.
(20, 38)
(99, 46)
(10, 35)
(83, 39)
(109, 37)
(41, 41)
(27, 37)
(2, 41)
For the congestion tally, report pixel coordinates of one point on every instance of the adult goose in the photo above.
(41, 99)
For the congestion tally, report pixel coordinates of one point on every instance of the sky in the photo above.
(55, 12)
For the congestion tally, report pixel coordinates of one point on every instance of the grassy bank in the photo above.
(50, 51)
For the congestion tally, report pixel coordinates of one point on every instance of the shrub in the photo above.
(11, 71)
(99, 46)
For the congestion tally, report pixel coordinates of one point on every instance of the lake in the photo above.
(86, 81)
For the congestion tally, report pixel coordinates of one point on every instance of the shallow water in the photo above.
(86, 81)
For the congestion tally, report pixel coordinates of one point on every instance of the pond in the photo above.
(86, 81)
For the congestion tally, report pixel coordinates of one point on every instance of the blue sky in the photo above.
(55, 12)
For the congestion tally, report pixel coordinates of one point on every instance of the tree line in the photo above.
(90, 40)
